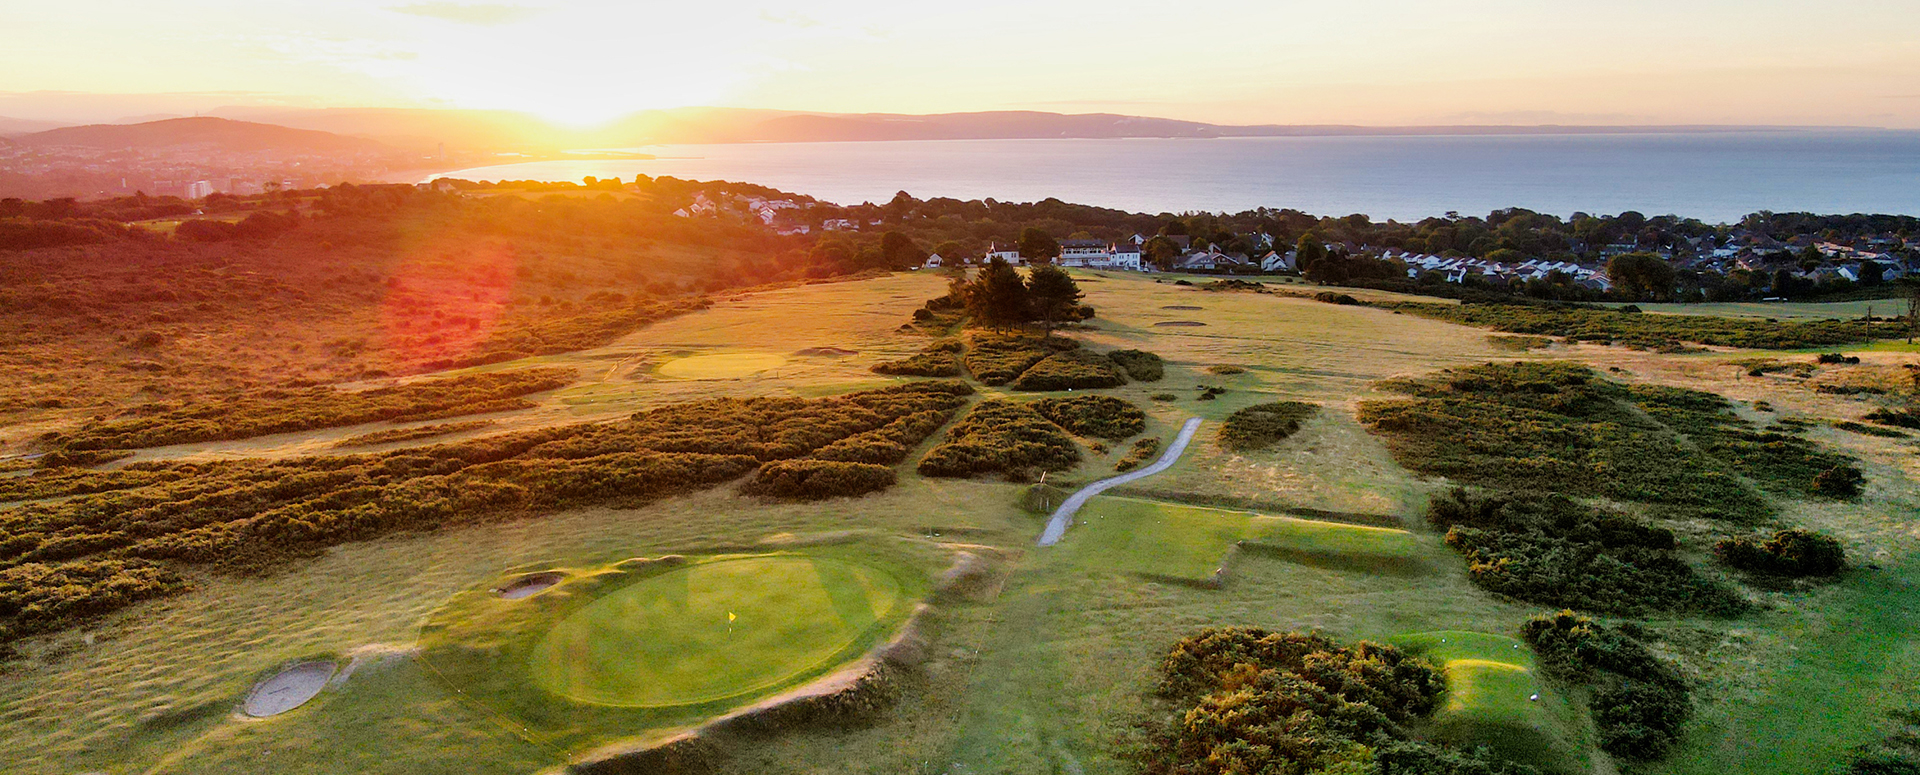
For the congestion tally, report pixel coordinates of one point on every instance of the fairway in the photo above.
(721, 366)
(712, 630)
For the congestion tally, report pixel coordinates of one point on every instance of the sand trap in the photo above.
(1179, 323)
(288, 689)
(528, 586)
(724, 366)
(828, 352)
(1182, 306)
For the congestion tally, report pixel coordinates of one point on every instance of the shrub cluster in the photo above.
(410, 434)
(1552, 427)
(1071, 370)
(1899, 418)
(1143, 451)
(940, 359)
(999, 358)
(1790, 553)
(1553, 551)
(1140, 365)
(1245, 700)
(1100, 416)
(1840, 358)
(282, 411)
(1264, 425)
(94, 551)
(1329, 297)
(807, 479)
(1639, 702)
(1654, 332)
(1778, 462)
(1003, 437)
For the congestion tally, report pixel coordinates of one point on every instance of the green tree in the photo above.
(1310, 256)
(899, 251)
(1037, 246)
(1641, 276)
(1052, 294)
(997, 297)
(1160, 252)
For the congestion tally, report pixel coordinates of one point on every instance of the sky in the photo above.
(1370, 62)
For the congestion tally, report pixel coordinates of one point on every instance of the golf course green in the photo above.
(713, 630)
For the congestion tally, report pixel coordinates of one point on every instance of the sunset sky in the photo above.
(1838, 62)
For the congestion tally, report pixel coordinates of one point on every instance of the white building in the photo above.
(199, 189)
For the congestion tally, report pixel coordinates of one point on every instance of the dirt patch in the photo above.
(1182, 306)
(827, 352)
(1171, 323)
(530, 585)
(288, 689)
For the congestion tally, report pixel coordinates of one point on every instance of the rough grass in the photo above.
(721, 365)
(1264, 425)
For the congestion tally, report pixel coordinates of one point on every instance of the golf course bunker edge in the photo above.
(288, 689)
(714, 630)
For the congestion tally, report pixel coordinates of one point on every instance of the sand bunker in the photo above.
(288, 689)
(1179, 323)
(528, 586)
(828, 352)
(1181, 306)
(723, 366)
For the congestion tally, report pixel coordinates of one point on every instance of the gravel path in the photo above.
(1063, 516)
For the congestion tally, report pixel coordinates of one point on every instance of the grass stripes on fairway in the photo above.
(721, 366)
(1189, 543)
(712, 630)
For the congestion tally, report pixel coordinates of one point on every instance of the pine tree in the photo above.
(1053, 294)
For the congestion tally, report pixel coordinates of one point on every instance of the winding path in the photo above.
(1063, 516)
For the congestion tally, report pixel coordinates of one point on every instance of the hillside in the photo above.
(212, 134)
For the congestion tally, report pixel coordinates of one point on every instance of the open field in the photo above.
(1042, 674)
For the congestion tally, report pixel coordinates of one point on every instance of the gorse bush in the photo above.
(816, 479)
(255, 515)
(1551, 550)
(1140, 365)
(1558, 427)
(300, 410)
(1001, 437)
(1779, 463)
(1655, 332)
(999, 358)
(1899, 418)
(410, 434)
(1242, 700)
(1790, 553)
(934, 364)
(1639, 702)
(1100, 416)
(1071, 370)
(1264, 425)
(1143, 451)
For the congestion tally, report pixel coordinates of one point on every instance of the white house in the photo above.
(1009, 256)
(1275, 261)
(933, 261)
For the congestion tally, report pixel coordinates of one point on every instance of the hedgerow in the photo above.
(1264, 425)
(1639, 702)
(1140, 365)
(999, 358)
(252, 516)
(1654, 332)
(1789, 553)
(300, 410)
(1101, 416)
(817, 479)
(1552, 427)
(1550, 550)
(1071, 370)
(1001, 437)
(1243, 700)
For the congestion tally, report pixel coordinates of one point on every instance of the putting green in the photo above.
(713, 630)
(721, 366)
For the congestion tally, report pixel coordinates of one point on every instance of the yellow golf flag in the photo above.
(730, 617)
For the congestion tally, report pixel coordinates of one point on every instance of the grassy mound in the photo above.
(1101, 416)
(1189, 544)
(1003, 437)
(721, 366)
(1263, 425)
(1495, 698)
(712, 630)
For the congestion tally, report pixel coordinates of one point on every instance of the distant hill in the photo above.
(213, 134)
(10, 127)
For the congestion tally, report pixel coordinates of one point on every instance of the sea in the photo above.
(1717, 177)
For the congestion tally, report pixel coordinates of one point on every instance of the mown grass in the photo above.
(1496, 698)
(1191, 544)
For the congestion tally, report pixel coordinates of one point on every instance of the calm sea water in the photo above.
(1716, 177)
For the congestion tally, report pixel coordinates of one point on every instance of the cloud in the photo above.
(485, 15)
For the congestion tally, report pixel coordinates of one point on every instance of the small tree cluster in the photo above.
(997, 297)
